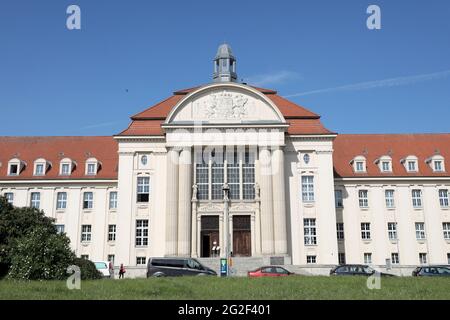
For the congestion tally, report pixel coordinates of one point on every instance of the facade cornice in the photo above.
(362, 179)
(58, 181)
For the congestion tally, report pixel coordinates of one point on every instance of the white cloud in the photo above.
(393, 82)
(272, 78)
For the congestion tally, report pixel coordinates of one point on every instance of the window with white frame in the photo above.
(113, 200)
(309, 227)
(217, 180)
(365, 231)
(422, 258)
(389, 198)
(392, 230)
(308, 188)
(143, 189)
(112, 232)
(202, 178)
(141, 233)
(39, 169)
(443, 198)
(446, 228)
(310, 259)
(248, 176)
(338, 200)
(412, 167)
(61, 200)
(66, 169)
(386, 166)
(363, 198)
(340, 231)
(417, 198)
(438, 167)
(14, 167)
(35, 200)
(368, 258)
(360, 166)
(88, 200)
(420, 230)
(91, 169)
(86, 235)
(9, 197)
(233, 175)
(395, 259)
(341, 258)
(140, 261)
(60, 228)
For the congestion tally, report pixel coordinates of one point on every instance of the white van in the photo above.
(103, 267)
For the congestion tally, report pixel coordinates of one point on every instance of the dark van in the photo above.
(175, 267)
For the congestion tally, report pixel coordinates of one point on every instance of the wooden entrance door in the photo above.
(242, 245)
(209, 234)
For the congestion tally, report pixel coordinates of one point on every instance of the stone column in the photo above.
(194, 252)
(265, 174)
(172, 203)
(279, 202)
(184, 202)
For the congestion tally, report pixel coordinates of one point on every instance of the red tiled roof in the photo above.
(162, 109)
(397, 146)
(53, 150)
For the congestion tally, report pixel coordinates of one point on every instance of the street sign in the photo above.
(223, 267)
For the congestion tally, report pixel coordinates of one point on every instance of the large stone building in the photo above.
(229, 158)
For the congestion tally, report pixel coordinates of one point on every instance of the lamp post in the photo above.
(226, 191)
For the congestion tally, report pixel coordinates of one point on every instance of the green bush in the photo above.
(87, 268)
(42, 254)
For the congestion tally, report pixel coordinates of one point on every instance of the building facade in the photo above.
(231, 168)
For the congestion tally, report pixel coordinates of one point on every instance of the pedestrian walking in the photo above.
(121, 271)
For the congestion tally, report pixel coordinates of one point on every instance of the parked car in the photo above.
(174, 267)
(355, 270)
(269, 271)
(432, 271)
(103, 267)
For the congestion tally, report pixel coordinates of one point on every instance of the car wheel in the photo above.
(159, 275)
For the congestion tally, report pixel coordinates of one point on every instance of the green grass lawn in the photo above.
(204, 288)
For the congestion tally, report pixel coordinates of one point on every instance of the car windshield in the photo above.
(194, 264)
(101, 265)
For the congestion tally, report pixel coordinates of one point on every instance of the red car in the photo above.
(270, 272)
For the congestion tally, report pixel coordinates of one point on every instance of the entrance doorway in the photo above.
(209, 236)
(242, 245)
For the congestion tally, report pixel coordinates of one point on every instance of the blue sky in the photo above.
(131, 54)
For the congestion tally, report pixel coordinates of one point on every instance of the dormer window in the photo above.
(412, 166)
(436, 163)
(15, 166)
(385, 166)
(359, 164)
(91, 167)
(438, 166)
(410, 163)
(13, 169)
(66, 167)
(384, 163)
(40, 167)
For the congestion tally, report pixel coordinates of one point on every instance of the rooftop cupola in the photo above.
(224, 65)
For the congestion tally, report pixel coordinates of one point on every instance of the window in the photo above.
(392, 230)
(85, 256)
(88, 200)
(59, 228)
(111, 258)
(341, 258)
(448, 258)
(202, 173)
(443, 198)
(92, 169)
(112, 232)
(248, 175)
(9, 197)
(143, 189)
(65, 169)
(113, 200)
(140, 261)
(365, 231)
(389, 197)
(13, 170)
(86, 233)
(417, 198)
(39, 171)
(35, 200)
(367, 258)
(141, 233)
(340, 231)
(446, 227)
(422, 258)
(339, 203)
(233, 175)
(310, 259)
(217, 181)
(61, 200)
(395, 258)
(412, 166)
(309, 226)
(420, 230)
(438, 166)
(308, 188)
(360, 166)
(363, 198)
(385, 166)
